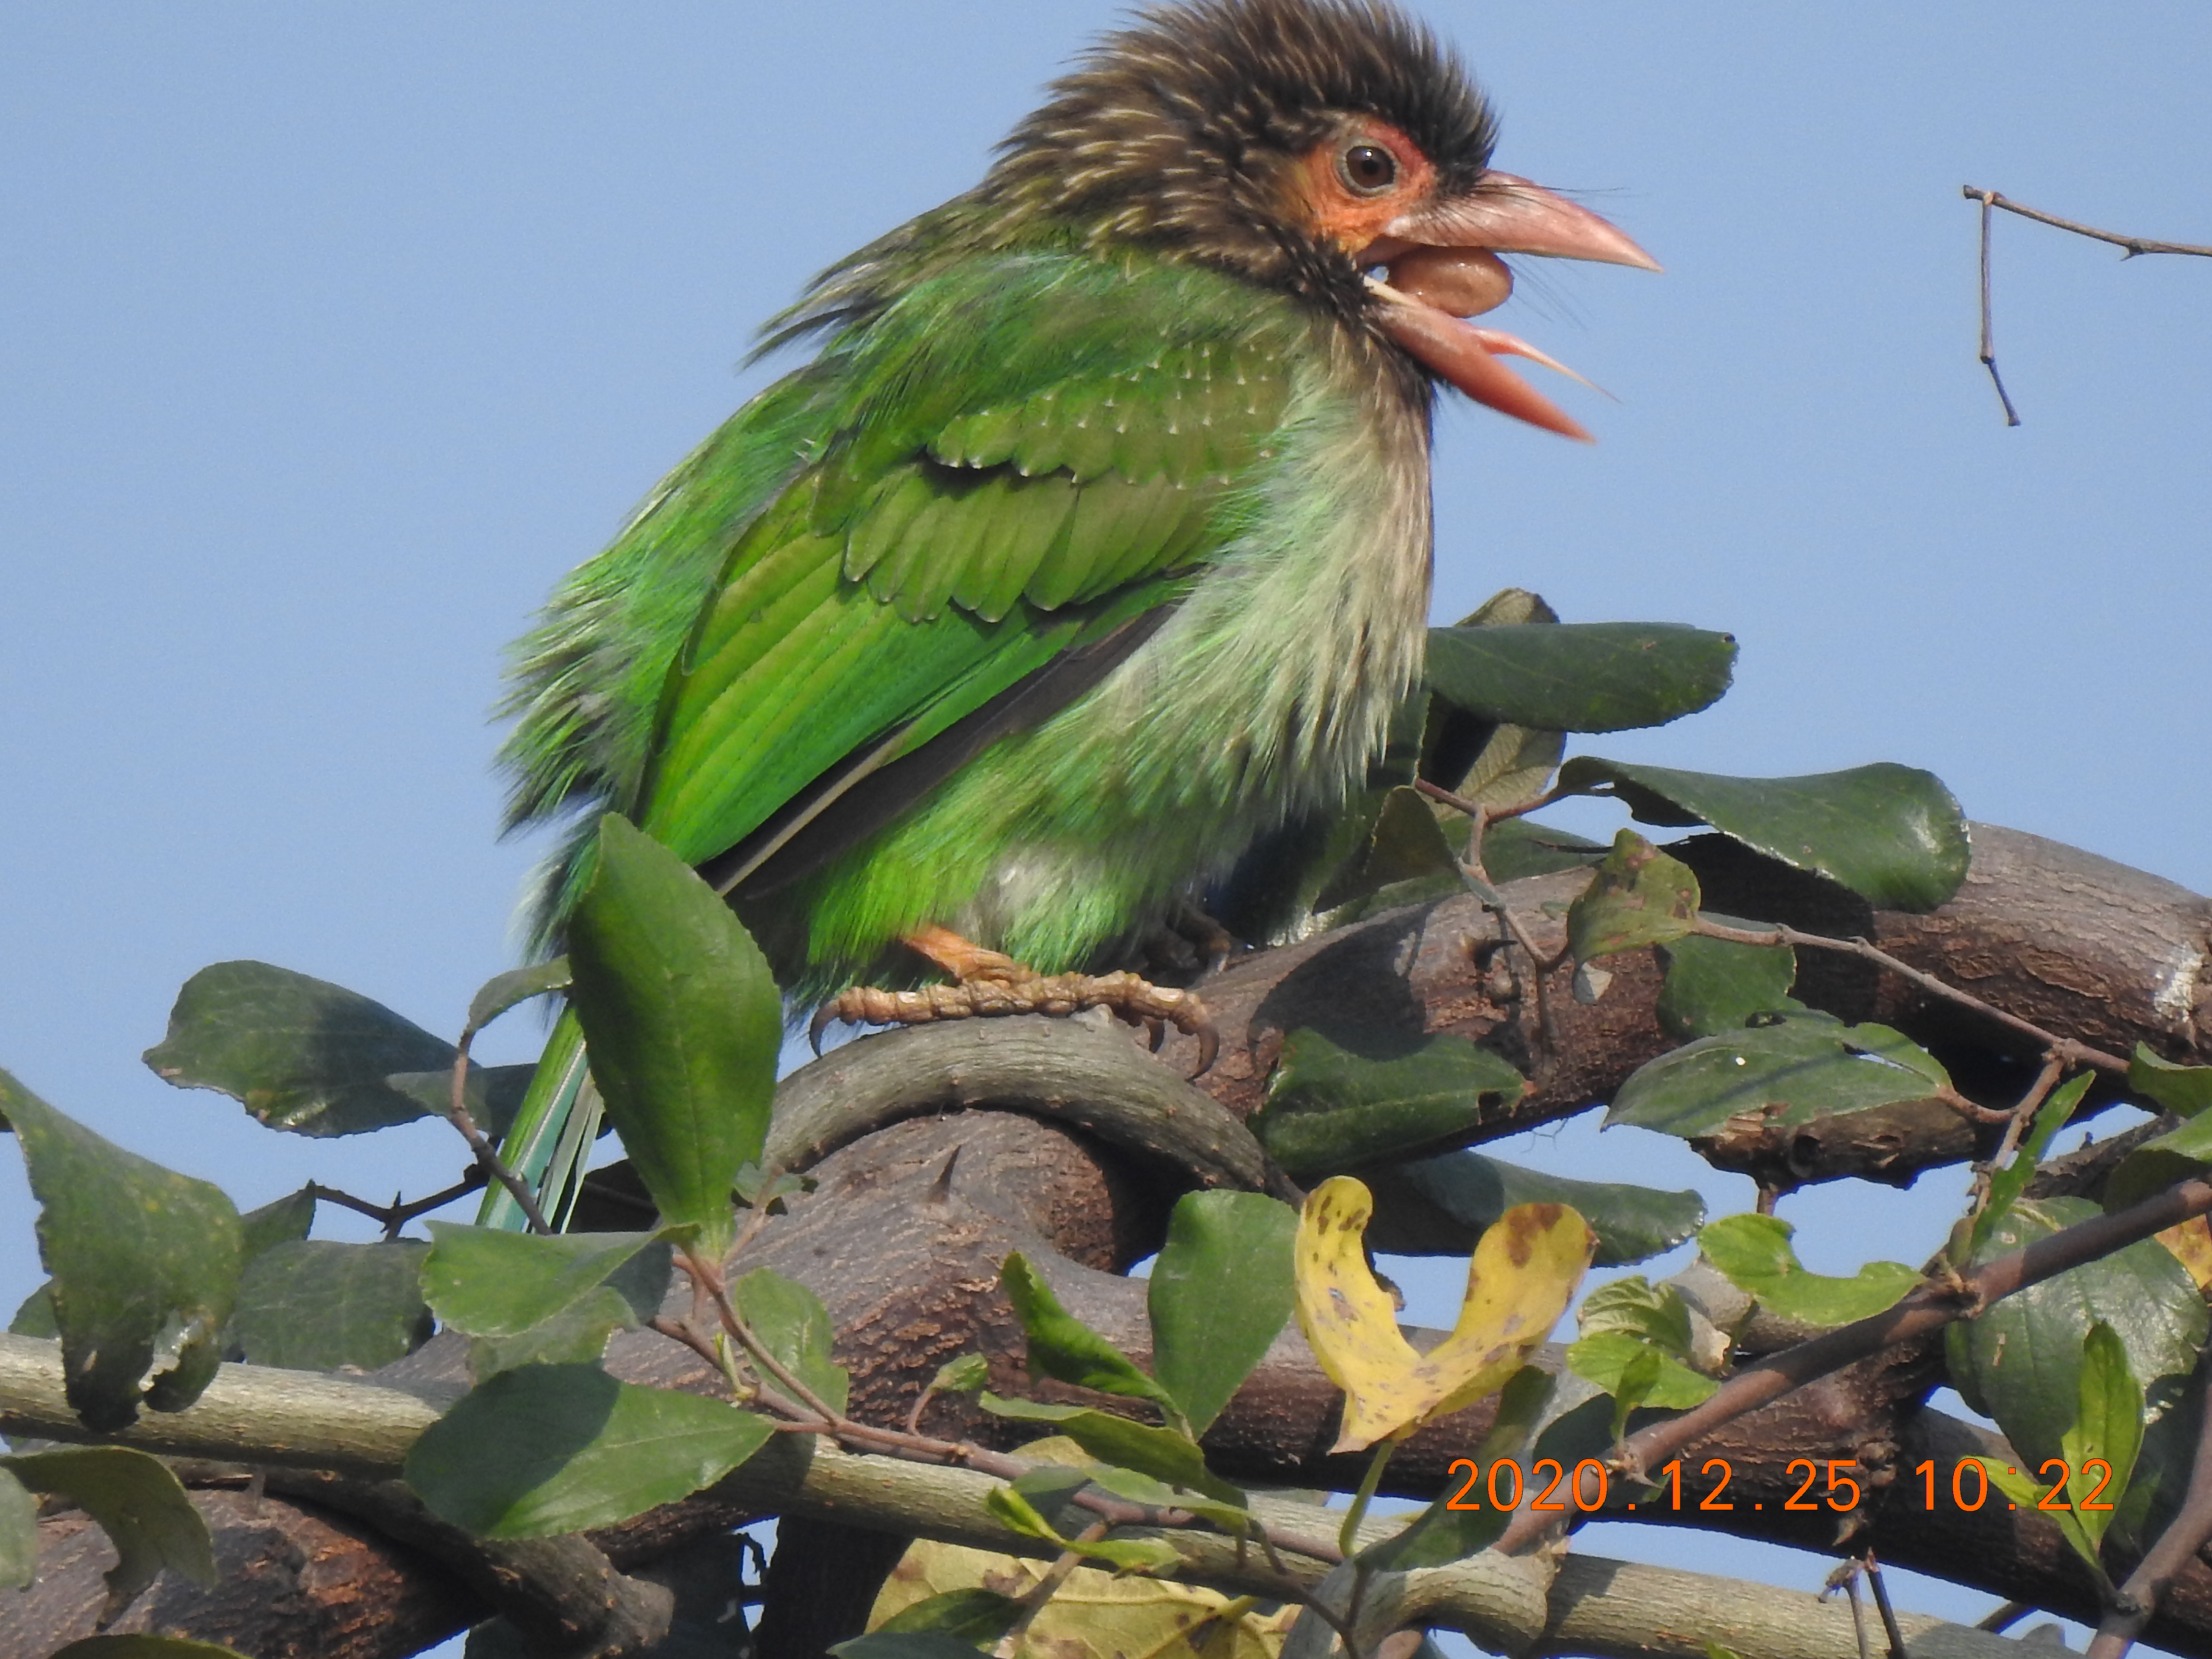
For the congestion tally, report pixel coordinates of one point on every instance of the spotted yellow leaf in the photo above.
(1522, 1276)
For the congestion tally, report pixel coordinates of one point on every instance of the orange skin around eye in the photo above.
(1354, 222)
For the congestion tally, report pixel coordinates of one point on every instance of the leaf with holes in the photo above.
(1798, 1068)
(145, 1264)
(1640, 896)
(1754, 1253)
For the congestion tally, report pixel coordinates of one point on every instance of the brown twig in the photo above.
(1988, 353)
(1881, 1604)
(2065, 1048)
(2176, 1547)
(397, 1214)
(488, 1158)
(2018, 1118)
(1928, 1307)
(2134, 245)
(2003, 1617)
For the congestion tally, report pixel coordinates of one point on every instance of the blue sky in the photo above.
(329, 339)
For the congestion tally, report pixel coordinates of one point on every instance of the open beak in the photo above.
(1444, 265)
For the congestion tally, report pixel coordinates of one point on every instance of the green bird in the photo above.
(1093, 543)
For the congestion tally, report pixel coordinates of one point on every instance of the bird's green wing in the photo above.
(1022, 457)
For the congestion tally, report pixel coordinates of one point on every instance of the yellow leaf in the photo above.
(1522, 1276)
(2190, 1242)
(1094, 1615)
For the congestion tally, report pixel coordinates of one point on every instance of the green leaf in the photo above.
(2006, 1185)
(492, 1093)
(1521, 847)
(140, 1506)
(896, 1641)
(144, 1647)
(315, 1305)
(1220, 1294)
(1581, 676)
(517, 985)
(974, 1615)
(2021, 1361)
(489, 1282)
(1442, 1205)
(1441, 1534)
(1062, 1345)
(1143, 1489)
(282, 1221)
(1163, 1454)
(145, 1264)
(684, 1025)
(300, 1054)
(1890, 833)
(557, 1448)
(577, 1335)
(1332, 1106)
(1754, 1253)
(1798, 1069)
(2185, 1091)
(2107, 1426)
(1406, 844)
(19, 1531)
(2026, 1493)
(1653, 1314)
(1608, 1358)
(1714, 985)
(34, 1316)
(964, 1375)
(1640, 896)
(794, 1326)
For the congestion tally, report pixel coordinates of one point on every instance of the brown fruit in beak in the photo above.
(1460, 281)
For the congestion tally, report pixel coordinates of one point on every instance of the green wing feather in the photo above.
(1010, 461)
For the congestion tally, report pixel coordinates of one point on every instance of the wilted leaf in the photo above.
(684, 1023)
(1062, 1345)
(140, 1506)
(1754, 1253)
(1441, 1206)
(1331, 1107)
(1891, 834)
(1441, 1533)
(1714, 985)
(1640, 896)
(145, 1264)
(300, 1054)
(554, 1448)
(1522, 1275)
(1581, 676)
(1799, 1068)
(489, 1282)
(315, 1304)
(1219, 1293)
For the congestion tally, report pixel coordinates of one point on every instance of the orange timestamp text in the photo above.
(1547, 1484)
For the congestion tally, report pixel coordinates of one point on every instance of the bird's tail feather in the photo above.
(552, 1134)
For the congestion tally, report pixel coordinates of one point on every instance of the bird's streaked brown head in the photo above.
(1305, 144)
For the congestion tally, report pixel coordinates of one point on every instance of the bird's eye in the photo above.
(1367, 169)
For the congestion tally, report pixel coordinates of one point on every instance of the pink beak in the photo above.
(1443, 265)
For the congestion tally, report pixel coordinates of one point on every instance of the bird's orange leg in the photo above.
(990, 982)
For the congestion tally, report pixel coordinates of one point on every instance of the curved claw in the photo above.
(824, 1017)
(1209, 1046)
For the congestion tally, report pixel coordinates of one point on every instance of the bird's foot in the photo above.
(988, 983)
